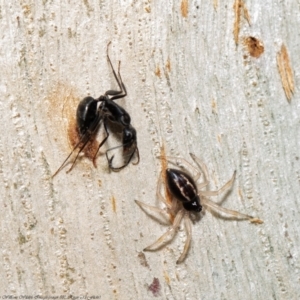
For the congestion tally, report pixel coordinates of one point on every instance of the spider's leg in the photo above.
(202, 166)
(219, 191)
(188, 229)
(169, 234)
(202, 185)
(210, 204)
(149, 208)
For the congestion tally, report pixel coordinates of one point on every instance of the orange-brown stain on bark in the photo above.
(215, 3)
(113, 203)
(239, 9)
(167, 278)
(164, 166)
(254, 46)
(168, 65)
(63, 100)
(214, 107)
(240, 193)
(256, 221)
(286, 72)
(184, 8)
(157, 71)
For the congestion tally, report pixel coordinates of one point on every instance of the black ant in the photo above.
(114, 113)
(89, 114)
(183, 187)
(128, 143)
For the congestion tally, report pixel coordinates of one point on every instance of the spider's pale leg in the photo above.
(179, 160)
(219, 191)
(151, 208)
(169, 234)
(188, 229)
(202, 166)
(202, 185)
(208, 203)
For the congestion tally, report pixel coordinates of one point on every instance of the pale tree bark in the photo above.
(193, 87)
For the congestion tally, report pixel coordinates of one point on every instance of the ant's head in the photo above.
(125, 120)
(129, 138)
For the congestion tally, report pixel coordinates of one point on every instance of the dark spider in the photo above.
(190, 200)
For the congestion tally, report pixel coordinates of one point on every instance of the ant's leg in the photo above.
(63, 164)
(119, 81)
(81, 148)
(84, 139)
(169, 234)
(219, 191)
(208, 203)
(178, 160)
(131, 156)
(100, 145)
(188, 229)
(116, 169)
(114, 92)
(123, 88)
(121, 85)
(115, 75)
(111, 159)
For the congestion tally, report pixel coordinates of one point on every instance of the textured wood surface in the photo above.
(193, 87)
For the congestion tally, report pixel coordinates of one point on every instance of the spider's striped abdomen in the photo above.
(183, 187)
